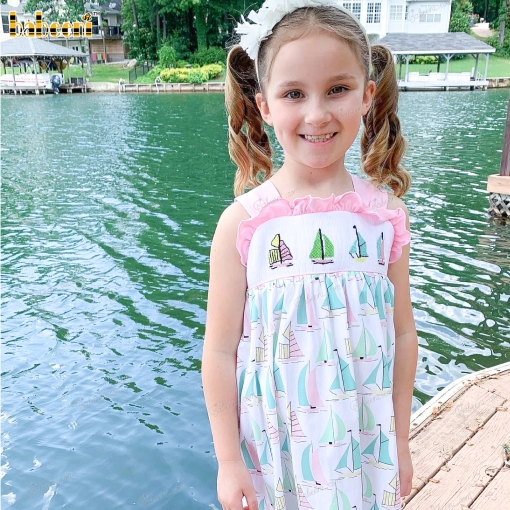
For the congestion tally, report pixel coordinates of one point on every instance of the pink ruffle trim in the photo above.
(350, 201)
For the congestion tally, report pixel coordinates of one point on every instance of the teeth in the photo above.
(318, 138)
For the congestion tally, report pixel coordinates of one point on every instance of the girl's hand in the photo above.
(234, 482)
(405, 467)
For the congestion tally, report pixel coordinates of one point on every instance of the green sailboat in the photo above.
(254, 391)
(366, 347)
(335, 430)
(379, 301)
(323, 249)
(358, 249)
(366, 418)
(342, 504)
(326, 352)
(288, 482)
(379, 380)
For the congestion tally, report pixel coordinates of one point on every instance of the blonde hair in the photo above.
(382, 143)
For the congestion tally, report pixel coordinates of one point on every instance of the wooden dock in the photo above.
(456, 443)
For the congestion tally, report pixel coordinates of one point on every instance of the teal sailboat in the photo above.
(305, 312)
(254, 392)
(279, 387)
(289, 485)
(380, 249)
(267, 458)
(250, 456)
(270, 393)
(332, 303)
(379, 301)
(378, 449)
(311, 466)
(366, 347)
(323, 249)
(379, 380)
(358, 249)
(308, 394)
(326, 352)
(351, 459)
(344, 382)
(335, 430)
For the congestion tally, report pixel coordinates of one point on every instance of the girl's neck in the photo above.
(292, 186)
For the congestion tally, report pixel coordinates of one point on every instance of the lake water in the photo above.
(109, 205)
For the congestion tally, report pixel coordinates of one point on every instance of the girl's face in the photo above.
(315, 88)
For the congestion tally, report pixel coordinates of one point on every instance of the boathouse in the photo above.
(39, 54)
(445, 44)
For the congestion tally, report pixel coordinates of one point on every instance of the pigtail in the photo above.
(250, 151)
(382, 143)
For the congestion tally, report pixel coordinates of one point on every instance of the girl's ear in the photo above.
(367, 97)
(263, 108)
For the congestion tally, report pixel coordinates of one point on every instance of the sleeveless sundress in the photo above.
(315, 359)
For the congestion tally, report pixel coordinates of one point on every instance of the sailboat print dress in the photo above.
(315, 360)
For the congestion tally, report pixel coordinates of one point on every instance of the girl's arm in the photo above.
(223, 330)
(406, 338)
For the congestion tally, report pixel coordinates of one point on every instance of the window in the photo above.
(407, 9)
(354, 7)
(374, 12)
(427, 14)
(395, 12)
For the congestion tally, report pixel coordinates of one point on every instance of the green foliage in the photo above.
(167, 56)
(501, 50)
(424, 59)
(190, 75)
(180, 42)
(459, 19)
(141, 43)
(210, 55)
(181, 63)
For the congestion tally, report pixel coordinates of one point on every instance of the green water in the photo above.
(109, 204)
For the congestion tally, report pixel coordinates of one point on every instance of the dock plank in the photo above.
(496, 494)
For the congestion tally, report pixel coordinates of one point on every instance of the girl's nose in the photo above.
(318, 114)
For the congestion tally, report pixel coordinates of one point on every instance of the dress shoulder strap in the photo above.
(255, 199)
(371, 195)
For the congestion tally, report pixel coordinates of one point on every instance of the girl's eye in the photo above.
(292, 92)
(339, 87)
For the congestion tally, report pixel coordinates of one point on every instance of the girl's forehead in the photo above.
(315, 56)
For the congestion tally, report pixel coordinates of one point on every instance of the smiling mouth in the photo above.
(316, 139)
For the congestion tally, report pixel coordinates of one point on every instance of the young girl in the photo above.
(310, 348)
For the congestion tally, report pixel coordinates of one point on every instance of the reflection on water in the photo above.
(109, 205)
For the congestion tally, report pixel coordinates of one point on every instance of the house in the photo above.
(401, 16)
(105, 44)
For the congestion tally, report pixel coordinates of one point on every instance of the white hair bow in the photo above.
(271, 12)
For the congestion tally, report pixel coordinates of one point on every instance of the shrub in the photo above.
(212, 70)
(211, 55)
(196, 76)
(167, 56)
(181, 63)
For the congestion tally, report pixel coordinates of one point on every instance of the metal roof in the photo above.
(35, 47)
(432, 44)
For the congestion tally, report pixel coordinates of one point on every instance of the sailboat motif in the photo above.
(280, 254)
(312, 469)
(306, 319)
(326, 353)
(289, 485)
(380, 249)
(296, 431)
(392, 425)
(270, 393)
(253, 392)
(366, 348)
(278, 381)
(335, 430)
(250, 456)
(308, 394)
(378, 450)
(366, 418)
(332, 303)
(289, 350)
(358, 249)
(342, 504)
(379, 301)
(391, 499)
(303, 502)
(280, 498)
(323, 249)
(367, 489)
(261, 352)
(343, 381)
(379, 380)
(267, 458)
(351, 459)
